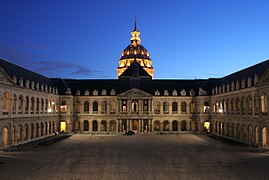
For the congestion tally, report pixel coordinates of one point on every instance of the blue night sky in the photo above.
(83, 39)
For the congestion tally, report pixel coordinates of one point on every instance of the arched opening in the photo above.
(183, 125)
(104, 107)
(174, 107)
(32, 130)
(13, 134)
(20, 104)
(63, 107)
(95, 107)
(112, 107)
(85, 125)
(46, 128)
(41, 129)
(135, 106)
(19, 133)
(86, 107)
(207, 126)
(6, 103)
(250, 134)
(103, 125)
(63, 126)
(256, 135)
(264, 103)
(264, 136)
(26, 132)
(14, 107)
(37, 130)
(4, 136)
(166, 108)
(174, 126)
(94, 125)
(166, 125)
(135, 125)
(112, 126)
(157, 107)
(183, 108)
(156, 125)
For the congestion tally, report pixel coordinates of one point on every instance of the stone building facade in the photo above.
(33, 106)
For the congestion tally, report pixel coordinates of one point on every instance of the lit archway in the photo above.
(264, 136)
(4, 137)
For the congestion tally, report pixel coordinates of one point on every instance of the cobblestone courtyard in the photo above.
(184, 156)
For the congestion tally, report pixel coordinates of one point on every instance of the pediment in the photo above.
(264, 80)
(136, 93)
(4, 77)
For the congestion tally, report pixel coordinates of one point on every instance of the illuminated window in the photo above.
(264, 103)
(183, 107)
(135, 106)
(124, 106)
(206, 107)
(63, 107)
(6, 103)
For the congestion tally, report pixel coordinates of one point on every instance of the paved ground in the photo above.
(184, 156)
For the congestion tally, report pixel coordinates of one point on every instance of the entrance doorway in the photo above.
(63, 126)
(135, 125)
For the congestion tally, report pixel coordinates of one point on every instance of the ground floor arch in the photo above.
(4, 137)
(175, 125)
(264, 136)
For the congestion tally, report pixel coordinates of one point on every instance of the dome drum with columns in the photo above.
(135, 52)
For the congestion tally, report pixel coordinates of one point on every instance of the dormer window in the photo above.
(103, 92)
(95, 92)
(33, 85)
(112, 92)
(37, 86)
(192, 93)
(228, 87)
(27, 83)
(249, 82)
(232, 86)
(157, 93)
(174, 92)
(183, 92)
(68, 91)
(21, 82)
(78, 92)
(87, 93)
(166, 93)
(256, 78)
(243, 83)
(237, 84)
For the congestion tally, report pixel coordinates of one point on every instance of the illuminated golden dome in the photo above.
(135, 52)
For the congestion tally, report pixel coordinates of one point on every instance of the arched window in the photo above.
(4, 136)
(192, 107)
(63, 107)
(166, 108)
(112, 107)
(256, 105)
(174, 126)
(174, 107)
(94, 125)
(86, 107)
(32, 105)
(37, 105)
(134, 105)
(264, 103)
(243, 104)
(103, 125)
(86, 125)
(95, 107)
(112, 125)
(6, 105)
(206, 107)
(249, 105)
(157, 107)
(42, 105)
(46, 105)
(77, 106)
(14, 107)
(166, 126)
(237, 105)
(183, 108)
(20, 104)
(183, 125)
(26, 105)
(104, 107)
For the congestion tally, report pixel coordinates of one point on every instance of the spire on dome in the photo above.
(135, 39)
(135, 25)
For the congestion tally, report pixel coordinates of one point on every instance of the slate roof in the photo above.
(122, 85)
(257, 69)
(20, 72)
